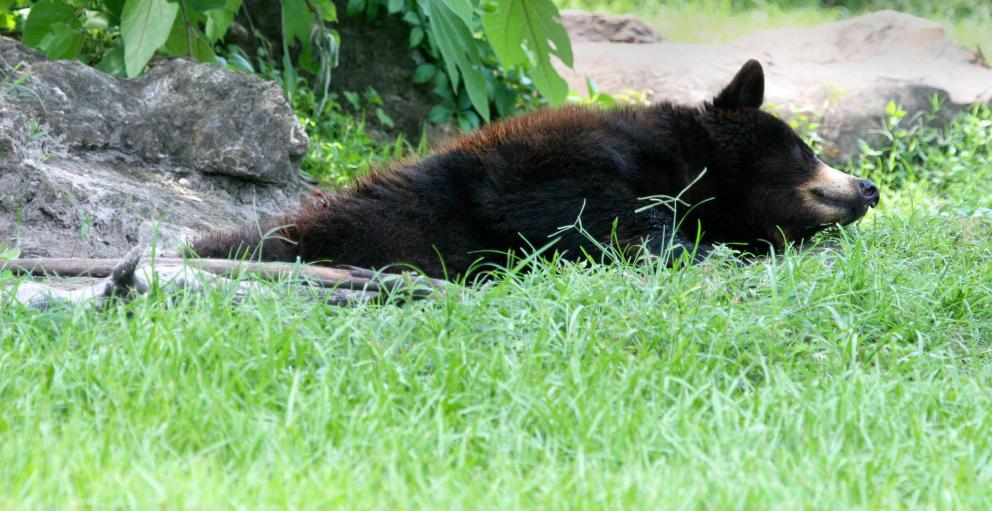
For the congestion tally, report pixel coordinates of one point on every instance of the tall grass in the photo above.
(854, 374)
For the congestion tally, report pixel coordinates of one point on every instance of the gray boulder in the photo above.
(91, 165)
(843, 73)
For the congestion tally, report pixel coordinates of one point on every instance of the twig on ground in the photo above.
(132, 274)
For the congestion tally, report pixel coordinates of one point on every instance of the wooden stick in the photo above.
(346, 278)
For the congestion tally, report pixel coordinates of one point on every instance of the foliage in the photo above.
(484, 58)
(342, 148)
(919, 148)
(598, 98)
(534, 23)
(851, 375)
(121, 36)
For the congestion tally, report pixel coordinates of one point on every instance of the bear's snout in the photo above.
(868, 191)
(837, 197)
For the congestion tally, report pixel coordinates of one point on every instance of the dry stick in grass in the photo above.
(357, 279)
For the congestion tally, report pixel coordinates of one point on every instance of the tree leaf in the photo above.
(416, 37)
(175, 44)
(328, 12)
(411, 17)
(43, 15)
(465, 10)
(424, 73)
(296, 21)
(63, 42)
(515, 23)
(202, 51)
(458, 49)
(204, 5)
(114, 9)
(145, 26)
(395, 6)
(384, 118)
(219, 20)
(113, 62)
(439, 114)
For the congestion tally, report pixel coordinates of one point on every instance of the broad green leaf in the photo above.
(468, 121)
(515, 23)
(353, 99)
(328, 12)
(181, 37)
(475, 84)
(416, 37)
(113, 62)
(203, 51)
(439, 114)
(395, 6)
(505, 99)
(458, 48)
(384, 118)
(218, 21)
(114, 8)
(43, 16)
(463, 8)
(297, 18)
(145, 26)
(204, 5)
(8, 21)
(309, 58)
(411, 17)
(176, 44)
(424, 73)
(63, 42)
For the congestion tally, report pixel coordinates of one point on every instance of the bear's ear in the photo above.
(746, 90)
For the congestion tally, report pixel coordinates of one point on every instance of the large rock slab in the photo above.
(845, 71)
(91, 165)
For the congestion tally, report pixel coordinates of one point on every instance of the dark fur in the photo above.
(513, 184)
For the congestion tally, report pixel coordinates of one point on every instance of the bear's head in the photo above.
(765, 185)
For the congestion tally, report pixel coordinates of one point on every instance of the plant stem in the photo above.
(189, 38)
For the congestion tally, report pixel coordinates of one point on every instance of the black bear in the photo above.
(741, 176)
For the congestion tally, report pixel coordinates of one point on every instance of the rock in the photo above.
(844, 72)
(196, 115)
(591, 27)
(91, 165)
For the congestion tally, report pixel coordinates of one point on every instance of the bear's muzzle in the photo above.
(837, 197)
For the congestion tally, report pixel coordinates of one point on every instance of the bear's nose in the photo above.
(868, 191)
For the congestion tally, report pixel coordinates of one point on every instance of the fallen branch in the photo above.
(123, 278)
(356, 279)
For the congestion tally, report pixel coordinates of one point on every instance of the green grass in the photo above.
(854, 374)
(968, 22)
